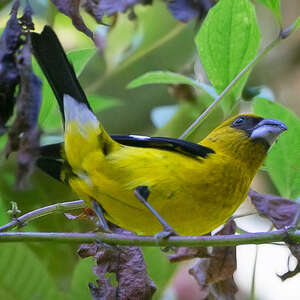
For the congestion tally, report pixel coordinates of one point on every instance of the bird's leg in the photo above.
(142, 193)
(99, 212)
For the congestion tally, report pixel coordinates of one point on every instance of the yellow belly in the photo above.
(194, 197)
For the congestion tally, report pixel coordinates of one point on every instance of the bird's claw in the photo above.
(166, 233)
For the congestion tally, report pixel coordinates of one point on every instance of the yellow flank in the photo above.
(194, 195)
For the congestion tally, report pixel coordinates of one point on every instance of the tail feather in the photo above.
(83, 132)
(56, 67)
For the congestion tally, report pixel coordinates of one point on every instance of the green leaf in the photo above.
(3, 213)
(164, 77)
(83, 274)
(99, 103)
(3, 140)
(80, 58)
(294, 27)
(274, 6)
(297, 24)
(159, 269)
(282, 163)
(227, 41)
(24, 276)
(3, 3)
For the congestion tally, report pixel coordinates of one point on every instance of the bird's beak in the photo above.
(267, 131)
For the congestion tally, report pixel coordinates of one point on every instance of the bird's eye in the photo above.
(239, 121)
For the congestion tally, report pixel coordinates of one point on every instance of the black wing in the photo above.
(53, 151)
(50, 160)
(165, 143)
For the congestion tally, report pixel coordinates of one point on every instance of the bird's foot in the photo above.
(166, 233)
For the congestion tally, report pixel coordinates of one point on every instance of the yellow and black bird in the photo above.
(193, 187)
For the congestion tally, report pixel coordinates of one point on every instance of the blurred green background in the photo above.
(155, 41)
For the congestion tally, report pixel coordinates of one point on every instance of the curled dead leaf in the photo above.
(10, 42)
(71, 9)
(128, 265)
(185, 10)
(215, 274)
(280, 211)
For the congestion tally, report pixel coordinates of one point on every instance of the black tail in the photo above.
(62, 79)
(56, 67)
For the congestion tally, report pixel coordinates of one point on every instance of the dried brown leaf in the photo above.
(280, 211)
(215, 274)
(71, 9)
(223, 259)
(199, 272)
(9, 75)
(16, 68)
(24, 133)
(99, 8)
(128, 265)
(283, 213)
(225, 289)
(185, 253)
(185, 10)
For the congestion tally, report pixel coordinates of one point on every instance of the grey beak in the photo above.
(268, 130)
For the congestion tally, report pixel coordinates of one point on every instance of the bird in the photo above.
(146, 184)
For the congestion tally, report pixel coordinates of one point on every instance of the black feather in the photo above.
(50, 166)
(51, 151)
(56, 67)
(164, 143)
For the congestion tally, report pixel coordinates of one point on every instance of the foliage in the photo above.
(227, 41)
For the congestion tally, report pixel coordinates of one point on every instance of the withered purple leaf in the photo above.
(223, 259)
(128, 265)
(225, 289)
(26, 20)
(99, 8)
(10, 41)
(199, 272)
(71, 9)
(215, 274)
(280, 211)
(185, 10)
(186, 253)
(24, 134)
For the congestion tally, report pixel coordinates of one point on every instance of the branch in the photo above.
(282, 35)
(282, 235)
(44, 211)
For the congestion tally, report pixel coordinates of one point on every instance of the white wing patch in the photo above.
(140, 137)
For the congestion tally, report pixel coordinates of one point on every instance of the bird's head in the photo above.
(245, 136)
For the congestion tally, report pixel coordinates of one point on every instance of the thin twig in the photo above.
(252, 63)
(150, 241)
(40, 212)
(282, 35)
